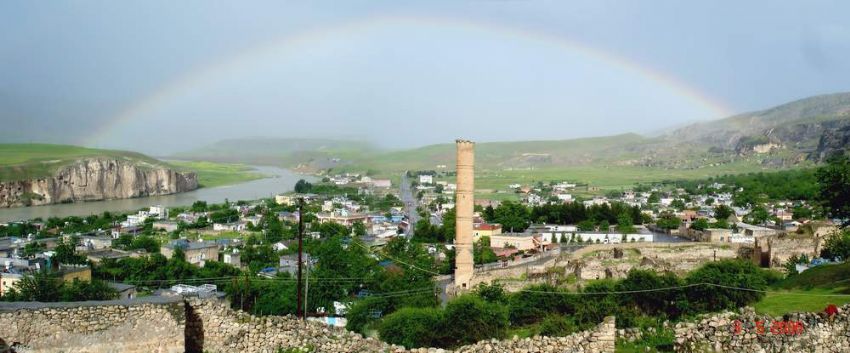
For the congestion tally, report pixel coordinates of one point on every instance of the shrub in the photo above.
(413, 327)
(556, 325)
(731, 273)
(473, 319)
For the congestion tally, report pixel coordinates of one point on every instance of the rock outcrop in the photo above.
(94, 180)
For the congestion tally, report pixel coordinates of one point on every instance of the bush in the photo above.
(362, 313)
(537, 301)
(731, 273)
(556, 325)
(413, 327)
(473, 319)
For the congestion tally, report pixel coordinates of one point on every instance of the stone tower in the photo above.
(464, 206)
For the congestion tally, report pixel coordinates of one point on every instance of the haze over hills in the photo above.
(784, 136)
(288, 152)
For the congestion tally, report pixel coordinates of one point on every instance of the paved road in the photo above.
(410, 202)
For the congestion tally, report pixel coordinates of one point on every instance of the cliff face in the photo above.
(96, 179)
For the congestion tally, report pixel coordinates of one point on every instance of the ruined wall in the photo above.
(801, 332)
(153, 324)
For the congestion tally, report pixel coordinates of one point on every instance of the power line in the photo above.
(397, 260)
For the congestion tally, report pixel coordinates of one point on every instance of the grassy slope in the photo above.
(217, 174)
(27, 161)
(811, 290)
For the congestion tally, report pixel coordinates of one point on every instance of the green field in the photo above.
(810, 291)
(493, 184)
(217, 174)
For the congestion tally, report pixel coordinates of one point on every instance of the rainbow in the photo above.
(289, 45)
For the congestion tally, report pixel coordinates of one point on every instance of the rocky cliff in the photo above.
(96, 179)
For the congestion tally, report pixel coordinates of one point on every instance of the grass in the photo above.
(812, 300)
(811, 290)
(218, 174)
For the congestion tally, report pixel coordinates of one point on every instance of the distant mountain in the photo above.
(792, 134)
(796, 126)
(784, 136)
(302, 153)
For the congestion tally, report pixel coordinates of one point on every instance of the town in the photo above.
(371, 246)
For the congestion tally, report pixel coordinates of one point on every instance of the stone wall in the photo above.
(144, 325)
(213, 327)
(748, 332)
(166, 325)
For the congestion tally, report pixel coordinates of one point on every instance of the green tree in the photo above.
(303, 187)
(359, 229)
(758, 215)
(512, 216)
(834, 187)
(625, 224)
(700, 224)
(729, 275)
(722, 212)
(837, 246)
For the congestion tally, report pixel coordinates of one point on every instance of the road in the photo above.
(410, 202)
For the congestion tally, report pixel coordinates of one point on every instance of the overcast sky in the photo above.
(164, 76)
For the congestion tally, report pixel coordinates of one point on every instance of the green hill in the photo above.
(32, 161)
(286, 152)
(29, 161)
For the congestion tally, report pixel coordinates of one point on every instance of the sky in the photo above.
(163, 76)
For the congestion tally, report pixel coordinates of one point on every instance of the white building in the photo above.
(426, 179)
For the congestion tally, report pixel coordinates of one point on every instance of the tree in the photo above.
(722, 212)
(359, 229)
(834, 187)
(482, 253)
(802, 212)
(303, 187)
(512, 216)
(586, 226)
(678, 204)
(625, 224)
(731, 274)
(199, 206)
(758, 215)
(668, 220)
(700, 224)
(837, 246)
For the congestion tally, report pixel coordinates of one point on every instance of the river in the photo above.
(280, 180)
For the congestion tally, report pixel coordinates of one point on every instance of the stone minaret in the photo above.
(464, 207)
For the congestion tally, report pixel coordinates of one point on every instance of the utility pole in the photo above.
(307, 288)
(300, 254)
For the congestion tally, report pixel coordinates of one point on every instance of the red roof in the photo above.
(487, 226)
